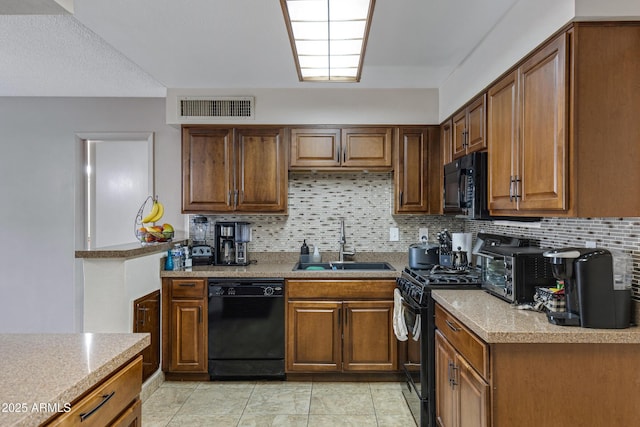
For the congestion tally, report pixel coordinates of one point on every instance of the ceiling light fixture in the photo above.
(328, 37)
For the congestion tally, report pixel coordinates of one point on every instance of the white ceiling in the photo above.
(140, 48)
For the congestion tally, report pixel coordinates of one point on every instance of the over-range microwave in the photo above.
(465, 187)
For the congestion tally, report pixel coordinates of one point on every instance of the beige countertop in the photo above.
(281, 265)
(498, 322)
(130, 250)
(37, 370)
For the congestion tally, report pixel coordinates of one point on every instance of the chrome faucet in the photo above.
(343, 241)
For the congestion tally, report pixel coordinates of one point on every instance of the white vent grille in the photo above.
(216, 107)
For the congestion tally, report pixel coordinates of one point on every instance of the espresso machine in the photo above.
(597, 295)
(231, 239)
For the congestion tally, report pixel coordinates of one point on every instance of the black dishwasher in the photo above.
(246, 328)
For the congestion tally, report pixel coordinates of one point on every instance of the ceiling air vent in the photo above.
(216, 107)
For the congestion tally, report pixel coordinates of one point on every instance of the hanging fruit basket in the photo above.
(145, 228)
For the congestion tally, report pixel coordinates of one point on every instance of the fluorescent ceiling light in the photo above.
(328, 37)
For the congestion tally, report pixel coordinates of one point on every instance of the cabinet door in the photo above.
(446, 139)
(543, 129)
(207, 169)
(146, 318)
(459, 134)
(369, 342)
(261, 158)
(311, 148)
(188, 336)
(446, 404)
(502, 134)
(314, 338)
(473, 398)
(411, 172)
(366, 147)
(476, 127)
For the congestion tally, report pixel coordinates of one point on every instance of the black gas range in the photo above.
(415, 288)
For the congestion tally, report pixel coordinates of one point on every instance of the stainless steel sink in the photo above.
(342, 266)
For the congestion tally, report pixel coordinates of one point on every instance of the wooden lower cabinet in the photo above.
(325, 333)
(516, 384)
(184, 320)
(113, 402)
(461, 394)
(146, 318)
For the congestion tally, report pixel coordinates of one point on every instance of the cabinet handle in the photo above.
(105, 399)
(142, 310)
(235, 199)
(344, 156)
(187, 285)
(511, 181)
(517, 184)
(199, 314)
(228, 197)
(401, 196)
(454, 375)
(452, 326)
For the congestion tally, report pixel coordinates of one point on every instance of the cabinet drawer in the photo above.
(341, 289)
(107, 401)
(187, 288)
(472, 348)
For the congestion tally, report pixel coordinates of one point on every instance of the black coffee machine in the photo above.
(592, 296)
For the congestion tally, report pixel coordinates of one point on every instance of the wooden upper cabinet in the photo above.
(527, 135)
(446, 140)
(417, 170)
(469, 128)
(234, 170)
(207, 169)
(355, 148)
(261, 165)
(542, 170)
(367, 147)
(311, 147)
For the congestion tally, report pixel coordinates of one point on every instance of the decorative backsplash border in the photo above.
(317, 202)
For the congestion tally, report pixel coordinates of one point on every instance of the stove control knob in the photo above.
(218, 291)
(231, 291)
(268, 291)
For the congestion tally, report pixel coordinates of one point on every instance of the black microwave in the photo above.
(465, 187)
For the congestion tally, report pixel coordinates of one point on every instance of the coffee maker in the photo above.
(231, 239)
(597, 295)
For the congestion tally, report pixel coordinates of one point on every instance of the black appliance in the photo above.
(419, 308)
(246, 328)
(511, 269)
(465, 187)
(593, 298)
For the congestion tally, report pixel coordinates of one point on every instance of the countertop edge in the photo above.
(91, 379)
(129, 250)
(464, 304)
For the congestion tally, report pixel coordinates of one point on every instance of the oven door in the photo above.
(415, 370)
(496, 275)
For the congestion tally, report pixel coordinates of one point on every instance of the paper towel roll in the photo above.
(462, 241)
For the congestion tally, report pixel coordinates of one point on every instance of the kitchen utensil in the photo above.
(423, 255)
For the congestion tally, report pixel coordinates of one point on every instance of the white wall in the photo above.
(41, 227)
(328, 105)
(524, 26)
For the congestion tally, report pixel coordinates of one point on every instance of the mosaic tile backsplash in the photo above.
(318, 201)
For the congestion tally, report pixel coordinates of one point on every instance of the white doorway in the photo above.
(118, 178)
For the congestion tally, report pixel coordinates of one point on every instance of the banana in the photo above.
(153, 213)
(160, 212)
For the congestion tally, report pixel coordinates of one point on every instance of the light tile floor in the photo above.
(276, 403)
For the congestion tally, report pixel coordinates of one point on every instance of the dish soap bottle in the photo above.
(316, 257)
(304, 252)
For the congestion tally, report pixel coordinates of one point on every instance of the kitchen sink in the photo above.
(343, 266)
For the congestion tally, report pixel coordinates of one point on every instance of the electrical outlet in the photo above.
(394, 234)
(423, 234)
(589, 244)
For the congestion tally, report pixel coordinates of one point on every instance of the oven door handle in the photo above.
(491, 257)
(409, 304)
